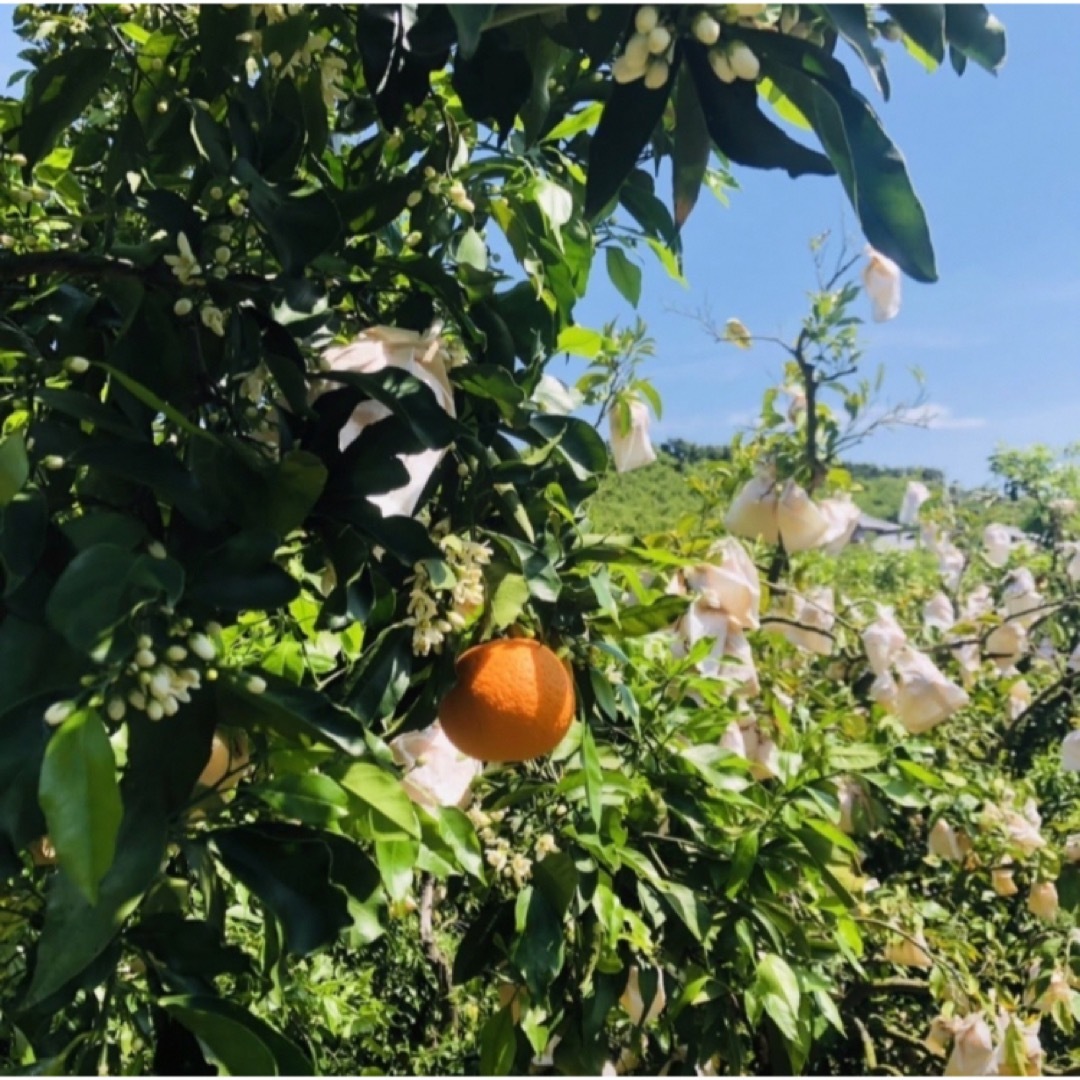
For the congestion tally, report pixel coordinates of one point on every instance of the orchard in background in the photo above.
(278, 285)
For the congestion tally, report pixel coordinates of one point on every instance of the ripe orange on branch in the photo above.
(514, 700)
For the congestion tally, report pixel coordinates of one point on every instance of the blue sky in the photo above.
(996, 162)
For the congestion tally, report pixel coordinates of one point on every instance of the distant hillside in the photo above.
(652, 499)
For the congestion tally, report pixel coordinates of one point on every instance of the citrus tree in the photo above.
(279, 287)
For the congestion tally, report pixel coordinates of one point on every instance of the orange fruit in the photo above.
(514, 700)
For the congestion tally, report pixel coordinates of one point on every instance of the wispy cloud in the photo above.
(939, 418)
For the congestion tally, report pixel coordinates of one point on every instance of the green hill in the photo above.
(651, 499)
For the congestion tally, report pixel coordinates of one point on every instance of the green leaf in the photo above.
(870, 167)
(240, 1043)
(310, 798)
(777, 987)
(498, 1044)
(540, 948)
(14, 467)
(693, 914)
(472, 250)
(924, 24)
(855, 757)
(976, 34)
(383, 793)
(580, 341)
(741, 131)
(163, 762)
(626, 125)
(742, 864)
(58, 94)
(625, 275)
(690, 153)
(508, 600)
(644, 618)
(469, 20)
(850, 22)
(80, 797)
(456, 839)
(396, 860)
(594, 776)
(576, 123)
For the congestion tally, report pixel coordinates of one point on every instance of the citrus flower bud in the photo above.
(57, 713)
(646, 19)
(625, 71)
(115, 709)
(183, 307)
(414, 199)
(202, 647)
(145, 658)
(256, 685)
(706, 29)
(77, 365)
(52, 462)
(659, 40)
(637, 50)
(156, 550)
(657, 75)
(743, 61)
(593, 12)
(154, 710)
(721, 66)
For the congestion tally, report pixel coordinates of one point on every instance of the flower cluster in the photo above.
(433, 620)
(499, 854)
(158, 677)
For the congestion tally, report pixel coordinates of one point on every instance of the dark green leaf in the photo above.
(469, 20)
(540, 949)
(59, 92)
(851, 23)
(242, 1044)
(870, 167)
(924, 24)
(292, 711)
(626, 125)
(81, 799)
(977, 34)
(101, 585)
(690, 153)
(741, 131)
(289, 869)
(742, 864)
